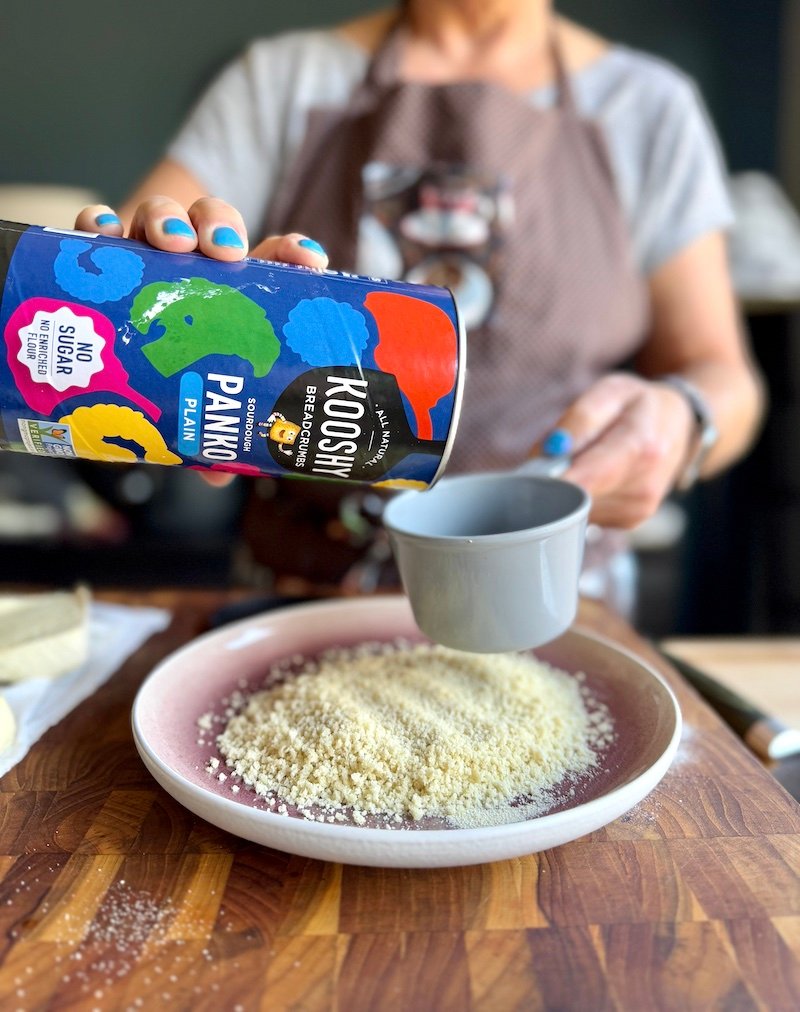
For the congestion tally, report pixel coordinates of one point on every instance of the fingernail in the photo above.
(312, 245)
(107, 219)
(557, 444)
(227, 236)
(176, 226)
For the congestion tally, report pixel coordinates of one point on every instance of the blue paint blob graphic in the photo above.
(120, 271)
(325, 332)
(190, 411)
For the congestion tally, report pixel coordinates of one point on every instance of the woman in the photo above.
(568, 189)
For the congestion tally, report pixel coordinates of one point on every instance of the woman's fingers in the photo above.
(591, 414)
(220, 229)
(163, 223)
(625, 470)
(628, 439)
(99, 218)
(293, 248)
(211, 226)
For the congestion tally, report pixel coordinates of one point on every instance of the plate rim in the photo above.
(412, 840)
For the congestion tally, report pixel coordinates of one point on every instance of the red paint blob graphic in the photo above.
(42, 396)
(418, 343)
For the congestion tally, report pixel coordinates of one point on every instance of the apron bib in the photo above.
(512, 207)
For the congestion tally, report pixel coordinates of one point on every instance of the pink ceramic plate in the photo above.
(195, 680)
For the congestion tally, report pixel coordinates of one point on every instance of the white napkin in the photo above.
(115, 632)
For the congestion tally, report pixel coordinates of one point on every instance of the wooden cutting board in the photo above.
(112, 896)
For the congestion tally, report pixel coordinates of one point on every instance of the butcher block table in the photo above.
(113, 896)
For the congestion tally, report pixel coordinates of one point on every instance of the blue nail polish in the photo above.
(107, 219)
(176, 226)
(312, 245)
(558, 443)
(226, 236)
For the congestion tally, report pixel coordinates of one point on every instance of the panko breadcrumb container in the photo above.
(116, 351)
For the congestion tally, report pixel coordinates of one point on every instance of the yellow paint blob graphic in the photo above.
(92, 427)
(400, 483)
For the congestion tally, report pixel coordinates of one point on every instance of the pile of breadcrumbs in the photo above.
(418, 731)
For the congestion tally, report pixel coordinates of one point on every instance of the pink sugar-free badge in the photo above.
(57, 350)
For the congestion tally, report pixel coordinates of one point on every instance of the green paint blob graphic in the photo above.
(202, 318)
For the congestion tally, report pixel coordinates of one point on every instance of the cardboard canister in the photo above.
(117, 351)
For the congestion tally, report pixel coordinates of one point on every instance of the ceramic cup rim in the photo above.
(535, 532)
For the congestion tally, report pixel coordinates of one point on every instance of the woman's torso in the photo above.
(648, 112)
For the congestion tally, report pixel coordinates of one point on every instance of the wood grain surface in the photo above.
(112, 896)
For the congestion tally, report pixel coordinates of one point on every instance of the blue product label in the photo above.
(190, 414)
(117, 351)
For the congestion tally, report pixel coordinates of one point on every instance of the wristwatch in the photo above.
(706, 432)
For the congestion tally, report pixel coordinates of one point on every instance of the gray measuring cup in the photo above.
(490, 562)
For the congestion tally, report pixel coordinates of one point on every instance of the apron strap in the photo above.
(566, 96)
(384, 66)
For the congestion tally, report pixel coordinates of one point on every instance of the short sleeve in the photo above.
(241, 137)
(684, 191)
(228, 142)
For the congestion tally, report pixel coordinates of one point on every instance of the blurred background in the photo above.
(93, 92)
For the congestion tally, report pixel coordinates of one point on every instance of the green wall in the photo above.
(93, 90)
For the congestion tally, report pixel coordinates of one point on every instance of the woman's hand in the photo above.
(630, 438)
(210, 226)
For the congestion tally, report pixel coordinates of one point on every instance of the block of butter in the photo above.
(43, 635)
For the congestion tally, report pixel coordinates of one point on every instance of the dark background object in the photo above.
(741, 559)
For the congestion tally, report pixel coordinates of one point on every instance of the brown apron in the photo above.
(514, 205)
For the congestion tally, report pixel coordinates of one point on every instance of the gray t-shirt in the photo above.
(242, 136)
